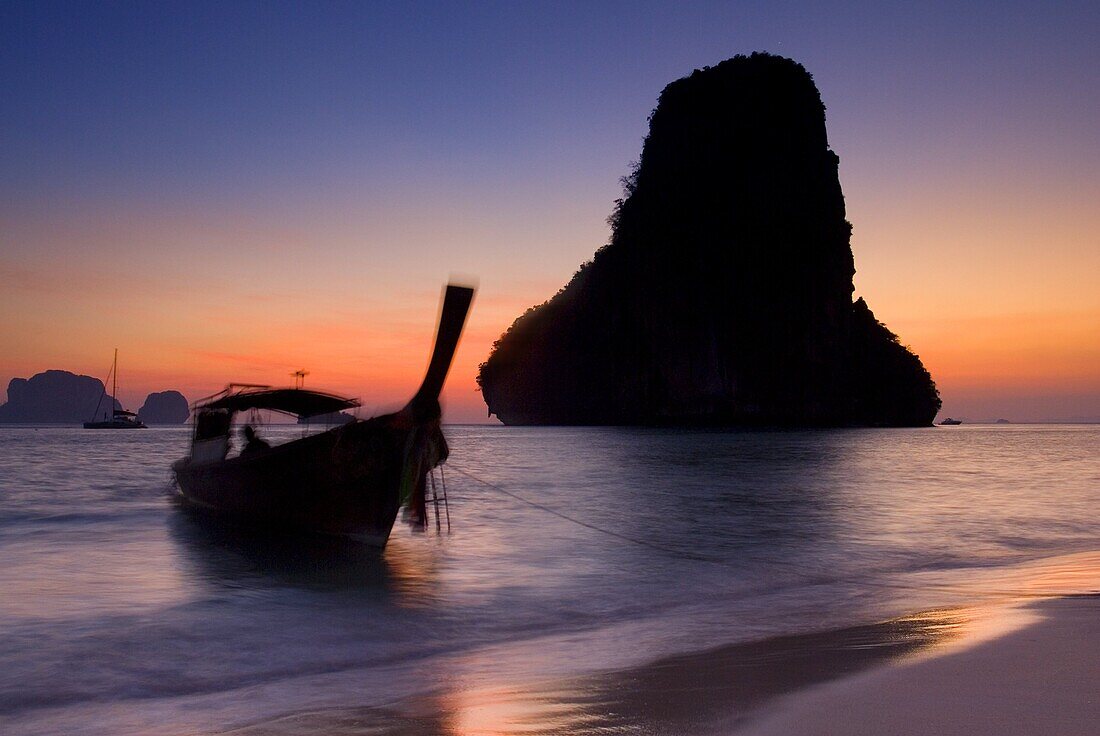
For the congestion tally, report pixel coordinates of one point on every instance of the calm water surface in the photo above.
(121, 613)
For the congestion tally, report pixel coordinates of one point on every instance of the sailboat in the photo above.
(350, 480)
(118, 418)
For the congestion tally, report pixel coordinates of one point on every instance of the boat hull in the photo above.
(348, 481)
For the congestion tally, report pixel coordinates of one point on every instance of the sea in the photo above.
(559, 554)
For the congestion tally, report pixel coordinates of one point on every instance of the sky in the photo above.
(234, 191)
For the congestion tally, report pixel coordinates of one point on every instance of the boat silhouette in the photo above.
(118, 418)
(350, 480)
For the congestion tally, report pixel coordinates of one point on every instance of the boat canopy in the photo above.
(287, 400)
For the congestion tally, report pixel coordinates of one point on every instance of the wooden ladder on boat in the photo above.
(439, 495)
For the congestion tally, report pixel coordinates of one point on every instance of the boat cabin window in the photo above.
(211, 435)
(211, 424)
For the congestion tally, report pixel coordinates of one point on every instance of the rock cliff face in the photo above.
(164, 407)
(55, 396)
(725, 295)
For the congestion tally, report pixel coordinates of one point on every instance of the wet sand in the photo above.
(1041, 679)
(1024, 660)
(704, 692)
(1008, 669)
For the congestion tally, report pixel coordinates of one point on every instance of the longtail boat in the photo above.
(350, 480)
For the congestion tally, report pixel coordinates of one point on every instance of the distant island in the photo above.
(164, 407)
(56, 396)
(725, 294)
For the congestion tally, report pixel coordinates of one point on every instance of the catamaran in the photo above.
(117, 418)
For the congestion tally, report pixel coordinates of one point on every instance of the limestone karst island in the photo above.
(61, 397)
(725, 294)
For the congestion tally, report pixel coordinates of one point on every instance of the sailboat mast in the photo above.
(114, 384)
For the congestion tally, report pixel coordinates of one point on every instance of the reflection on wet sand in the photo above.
(348, 722)
(676, 695)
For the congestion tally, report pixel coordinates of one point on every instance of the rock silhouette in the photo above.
(164, 407)
(56, 396)
(725, 294)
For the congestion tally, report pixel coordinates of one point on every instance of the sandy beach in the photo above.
(1019, 661)
(1040, 679)
(1012, 669)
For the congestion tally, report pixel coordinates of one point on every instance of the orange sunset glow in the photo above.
(999, 304)
(216, 236)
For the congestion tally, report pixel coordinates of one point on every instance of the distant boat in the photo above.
(118, 418)
(350, 480)
(951, 422)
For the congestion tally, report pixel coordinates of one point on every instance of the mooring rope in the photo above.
(593, 527)
(810, 578)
